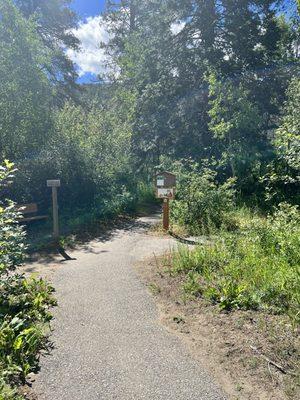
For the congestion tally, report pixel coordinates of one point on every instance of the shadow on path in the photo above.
(100, 231)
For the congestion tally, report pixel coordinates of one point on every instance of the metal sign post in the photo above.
(54, 184)
(165, 183)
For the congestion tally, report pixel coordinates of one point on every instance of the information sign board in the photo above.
(53, 183)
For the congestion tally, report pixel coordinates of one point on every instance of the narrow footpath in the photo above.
(108, 342)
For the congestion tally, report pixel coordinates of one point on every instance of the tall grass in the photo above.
(257, 268)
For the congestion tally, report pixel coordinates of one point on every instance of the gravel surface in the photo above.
(108, 343)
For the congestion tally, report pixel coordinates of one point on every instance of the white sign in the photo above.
(160, 182)
(163, 193)
(53, 183)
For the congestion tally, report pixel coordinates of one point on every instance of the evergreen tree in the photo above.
(166, 55)
(55, 21)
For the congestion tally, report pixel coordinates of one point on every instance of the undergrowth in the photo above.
(256, 267)
(202, 205)
(24, 304)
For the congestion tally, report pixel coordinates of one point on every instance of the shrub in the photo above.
(145, 193)
(24, 303)
(202, 204)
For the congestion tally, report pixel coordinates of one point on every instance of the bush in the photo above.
(87, 152)
(24, 303)
(254, 269)
(145, 193)
(202, 204)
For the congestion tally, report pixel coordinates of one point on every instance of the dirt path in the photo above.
(108, 343)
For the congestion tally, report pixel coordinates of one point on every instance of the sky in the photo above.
(90, 61)
(88, 8)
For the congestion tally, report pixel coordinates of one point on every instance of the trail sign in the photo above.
(160, 180)
(165, 179)
(164, 193)
(53, 183)
(165, 183)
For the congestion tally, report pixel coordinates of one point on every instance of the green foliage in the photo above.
(92, 151)
(287, 140)
(258, 268)
(56, 21)
(202, 204)
(236, 125)
(89, 150)
(192, 285)
(24, 303)
(25, 95)
(288, 134)
(282, 178)
(11, 234)
(145, 193)
(8, 393)
(165, 51)
(158, 104)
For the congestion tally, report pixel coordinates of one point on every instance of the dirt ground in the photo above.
(253, 356)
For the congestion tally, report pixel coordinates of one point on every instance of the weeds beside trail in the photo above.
(236, 299)
(253, 268)
(252, 262)
(256, 268)
(24, 304)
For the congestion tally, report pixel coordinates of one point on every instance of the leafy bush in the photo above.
(7, 392)
(255, 269)
(202, 204)
(11, 234)
(145, 193)
(24, 303)
(282, 180)
(88, 151)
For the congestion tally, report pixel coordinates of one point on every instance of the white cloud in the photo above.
(177, 27)
(90, 58)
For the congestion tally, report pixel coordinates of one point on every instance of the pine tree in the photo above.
(55, 21)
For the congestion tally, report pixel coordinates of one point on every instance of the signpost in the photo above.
(165, 183)
(54, 184)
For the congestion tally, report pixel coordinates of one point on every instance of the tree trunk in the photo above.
(132, 11)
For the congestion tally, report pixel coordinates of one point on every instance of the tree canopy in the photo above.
(204, 81)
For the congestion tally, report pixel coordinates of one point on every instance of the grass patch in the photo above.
(256, 268)
(154, 288)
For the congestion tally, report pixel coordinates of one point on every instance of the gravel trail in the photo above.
(108, 343)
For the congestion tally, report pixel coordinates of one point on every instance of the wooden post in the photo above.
(54, 184)
(166, 214)
(55, 213)
(165, 183)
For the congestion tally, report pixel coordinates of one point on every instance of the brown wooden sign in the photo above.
(165, 179)
(165, 183)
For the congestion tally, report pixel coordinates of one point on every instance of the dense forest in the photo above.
(207, 89)
(189, 85)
